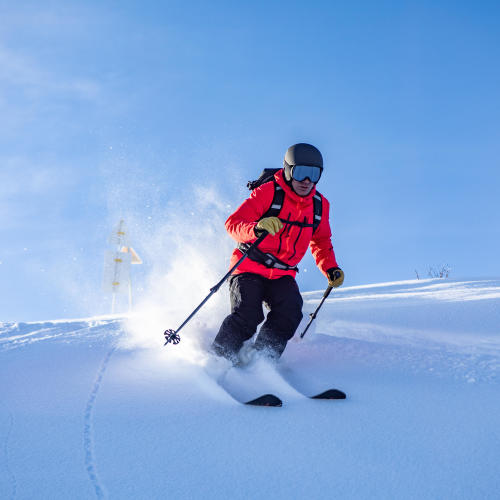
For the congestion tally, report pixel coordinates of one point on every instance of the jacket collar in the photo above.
(280, 179)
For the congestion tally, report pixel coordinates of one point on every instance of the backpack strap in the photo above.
(277, 203)
(267, 259)
(317, 209)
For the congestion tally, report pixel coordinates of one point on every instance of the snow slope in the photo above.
(88, 410)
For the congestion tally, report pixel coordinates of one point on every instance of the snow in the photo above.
(98, 407)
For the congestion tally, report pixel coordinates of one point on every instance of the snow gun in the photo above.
(173, 335)
(313, 315)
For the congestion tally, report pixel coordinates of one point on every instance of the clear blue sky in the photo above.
(121, 108)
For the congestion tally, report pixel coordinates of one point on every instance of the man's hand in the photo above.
(270, 224)
(335, 277)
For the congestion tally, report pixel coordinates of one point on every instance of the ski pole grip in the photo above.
(327, 291)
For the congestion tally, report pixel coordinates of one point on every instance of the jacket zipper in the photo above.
(281, 234)
(297, 239)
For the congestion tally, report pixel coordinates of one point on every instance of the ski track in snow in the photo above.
(90, 463)
(11, 475)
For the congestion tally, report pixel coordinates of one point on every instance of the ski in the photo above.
(266, 400)
(248, 384)
(329, 394)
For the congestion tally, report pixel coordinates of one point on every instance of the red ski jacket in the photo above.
(291, 242)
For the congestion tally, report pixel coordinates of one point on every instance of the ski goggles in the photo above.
(302, 172)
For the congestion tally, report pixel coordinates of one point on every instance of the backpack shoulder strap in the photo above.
(277, 203)
(317, 209)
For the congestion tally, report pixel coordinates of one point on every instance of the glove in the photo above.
(270, 224)
(335, 277)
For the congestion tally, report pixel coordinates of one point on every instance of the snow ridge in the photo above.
(16, 335)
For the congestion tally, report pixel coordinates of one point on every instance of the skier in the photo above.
(293, 222)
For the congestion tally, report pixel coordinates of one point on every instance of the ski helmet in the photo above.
(301, 154)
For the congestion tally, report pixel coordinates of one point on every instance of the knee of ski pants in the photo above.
(246, 301)
(245, 322)
(283, 327)
(286, 317)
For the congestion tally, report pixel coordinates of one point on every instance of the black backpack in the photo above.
(267, 175)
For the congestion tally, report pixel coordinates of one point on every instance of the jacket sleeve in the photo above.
(321, 242)
(240, 225)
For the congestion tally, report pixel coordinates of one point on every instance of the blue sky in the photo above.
(121, 109)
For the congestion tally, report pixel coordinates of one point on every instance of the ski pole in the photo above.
(314, 314)
(173, 335)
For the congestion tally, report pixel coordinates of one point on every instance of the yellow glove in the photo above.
(270, 224)
(335, 277)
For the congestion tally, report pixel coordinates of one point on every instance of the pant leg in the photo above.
(284, 299)
(246, 295)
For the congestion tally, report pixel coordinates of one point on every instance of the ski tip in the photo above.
(330, 394)
(266, 400)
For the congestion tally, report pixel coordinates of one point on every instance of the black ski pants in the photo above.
(247, 293)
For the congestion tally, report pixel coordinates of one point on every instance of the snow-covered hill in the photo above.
(87, 410)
